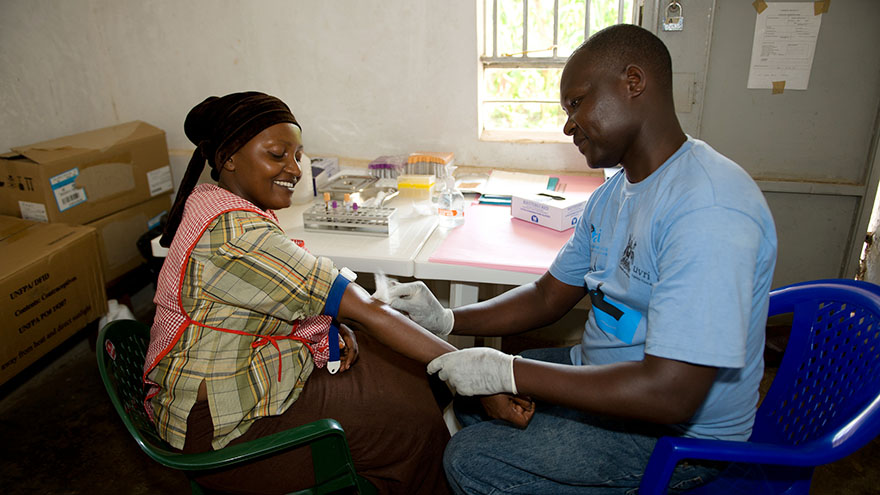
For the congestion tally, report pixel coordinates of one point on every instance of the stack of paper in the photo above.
(502, 185)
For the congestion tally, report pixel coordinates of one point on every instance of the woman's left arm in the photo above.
(396, 331)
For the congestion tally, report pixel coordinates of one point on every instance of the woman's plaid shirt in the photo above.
(242, 275)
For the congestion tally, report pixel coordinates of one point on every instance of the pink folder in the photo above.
(491, 238)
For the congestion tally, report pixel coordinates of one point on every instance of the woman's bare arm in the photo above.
(396, 331)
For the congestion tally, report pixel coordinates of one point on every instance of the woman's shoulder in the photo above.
(239, 222)
(241, 228)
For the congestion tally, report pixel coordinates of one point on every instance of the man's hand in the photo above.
(476, 371)
(514, 409)
(417, 301)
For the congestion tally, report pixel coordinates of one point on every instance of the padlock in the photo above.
(674, 19)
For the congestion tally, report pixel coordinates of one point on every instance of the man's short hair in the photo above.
(617, 46)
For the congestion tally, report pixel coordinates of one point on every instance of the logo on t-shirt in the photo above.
(628, 254)
(628, 266)
(614, 317)
(595, 234)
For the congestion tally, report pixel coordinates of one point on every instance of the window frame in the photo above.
(522, 60)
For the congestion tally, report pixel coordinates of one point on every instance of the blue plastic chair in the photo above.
(822, 406)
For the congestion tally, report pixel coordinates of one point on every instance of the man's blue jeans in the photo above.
(562, 451)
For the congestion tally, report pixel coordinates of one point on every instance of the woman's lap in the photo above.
(393, 425)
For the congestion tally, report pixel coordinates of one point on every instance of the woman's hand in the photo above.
(514, 409)
(348, 348)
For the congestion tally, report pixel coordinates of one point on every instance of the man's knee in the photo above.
(465, 461)
(452, 456)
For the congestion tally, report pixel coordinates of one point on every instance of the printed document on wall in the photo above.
(784, 45)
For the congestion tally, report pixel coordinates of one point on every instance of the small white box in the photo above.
(549, 209)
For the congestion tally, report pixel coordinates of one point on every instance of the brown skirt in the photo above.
(393, 424)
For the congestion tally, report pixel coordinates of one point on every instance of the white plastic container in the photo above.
(450, 206)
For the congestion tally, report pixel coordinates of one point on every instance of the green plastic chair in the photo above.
(122, 347)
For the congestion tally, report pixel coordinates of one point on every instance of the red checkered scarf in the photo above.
(206, 203)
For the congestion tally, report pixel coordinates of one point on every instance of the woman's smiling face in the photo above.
(266, 168)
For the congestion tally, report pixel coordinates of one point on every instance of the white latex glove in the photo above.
(476, 371)
(416, 300)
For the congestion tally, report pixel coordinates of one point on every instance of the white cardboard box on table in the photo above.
(550, 209)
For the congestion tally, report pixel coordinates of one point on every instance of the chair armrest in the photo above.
(327, 433)
(669, 451)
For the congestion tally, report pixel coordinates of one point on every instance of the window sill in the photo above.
(523, 136)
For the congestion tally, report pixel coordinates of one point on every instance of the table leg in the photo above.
(461, 294)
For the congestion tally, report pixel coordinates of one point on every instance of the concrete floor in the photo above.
(61, 436)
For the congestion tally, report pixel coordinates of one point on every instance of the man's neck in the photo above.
(652, 148)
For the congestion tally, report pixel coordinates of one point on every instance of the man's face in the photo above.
(599, 119)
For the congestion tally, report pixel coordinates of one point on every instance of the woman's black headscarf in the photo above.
(220, 126)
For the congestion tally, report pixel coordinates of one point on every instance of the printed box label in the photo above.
(67, 195)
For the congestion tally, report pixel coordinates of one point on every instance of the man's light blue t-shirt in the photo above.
(679, 266)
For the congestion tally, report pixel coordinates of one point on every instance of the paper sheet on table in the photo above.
(503, 183)
(491, 238)
(784, 45)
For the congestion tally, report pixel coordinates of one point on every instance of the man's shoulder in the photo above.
(703, 170)
(702, 161)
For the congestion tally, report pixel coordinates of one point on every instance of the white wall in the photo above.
(364, 78)
(368, 78)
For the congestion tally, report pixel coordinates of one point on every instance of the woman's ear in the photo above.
(229, 165)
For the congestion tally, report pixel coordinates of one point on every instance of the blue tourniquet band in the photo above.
(333, 342)
(331, 307)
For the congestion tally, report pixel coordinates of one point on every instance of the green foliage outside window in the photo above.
(528, 98)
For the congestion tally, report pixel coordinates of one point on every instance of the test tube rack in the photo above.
(370, 220)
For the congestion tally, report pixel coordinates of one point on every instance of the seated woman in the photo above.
(242, 318)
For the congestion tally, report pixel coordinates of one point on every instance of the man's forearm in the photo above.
(523, 308)
(654, 389)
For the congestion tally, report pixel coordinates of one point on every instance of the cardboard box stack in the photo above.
(52, 286)
(118, 234)
(116, 179)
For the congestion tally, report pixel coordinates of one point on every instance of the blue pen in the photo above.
(333, 342)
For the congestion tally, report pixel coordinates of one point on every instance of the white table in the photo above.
(524, 252)
(464, 281)
(393, 254)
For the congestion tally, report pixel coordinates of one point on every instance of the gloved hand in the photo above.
(415, 299)
(476, 371)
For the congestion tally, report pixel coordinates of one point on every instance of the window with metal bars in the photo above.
(525, 46)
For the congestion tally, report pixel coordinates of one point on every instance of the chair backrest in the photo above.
(122, 349)
(828, 383)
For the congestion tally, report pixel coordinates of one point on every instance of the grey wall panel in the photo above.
(813, 233)
(821, 134)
